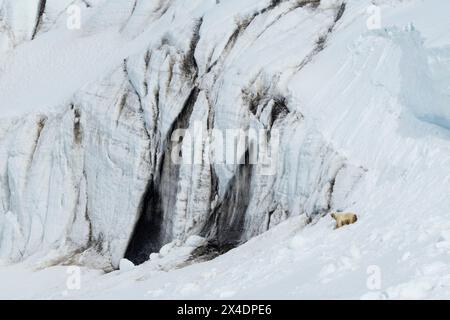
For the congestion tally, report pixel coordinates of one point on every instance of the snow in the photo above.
(86, 114)
(51, 70)
(290, 261)
(125, 265)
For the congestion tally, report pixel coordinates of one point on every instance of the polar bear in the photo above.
(344, 218)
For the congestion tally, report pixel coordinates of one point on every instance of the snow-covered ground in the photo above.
(373, 259)
(364, 88)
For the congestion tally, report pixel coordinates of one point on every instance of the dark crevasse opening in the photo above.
(146, 236)
(153, 229)
(225, 226)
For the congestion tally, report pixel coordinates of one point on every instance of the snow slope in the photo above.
(85, 176)
(288, 262)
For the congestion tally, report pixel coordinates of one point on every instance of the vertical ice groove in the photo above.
(39, 17)
(153, 228)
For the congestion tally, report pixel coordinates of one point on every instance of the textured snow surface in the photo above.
(86, 176)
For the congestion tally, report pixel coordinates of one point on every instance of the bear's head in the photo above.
(333, 215)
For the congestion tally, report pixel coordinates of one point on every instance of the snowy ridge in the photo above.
(86, 176)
